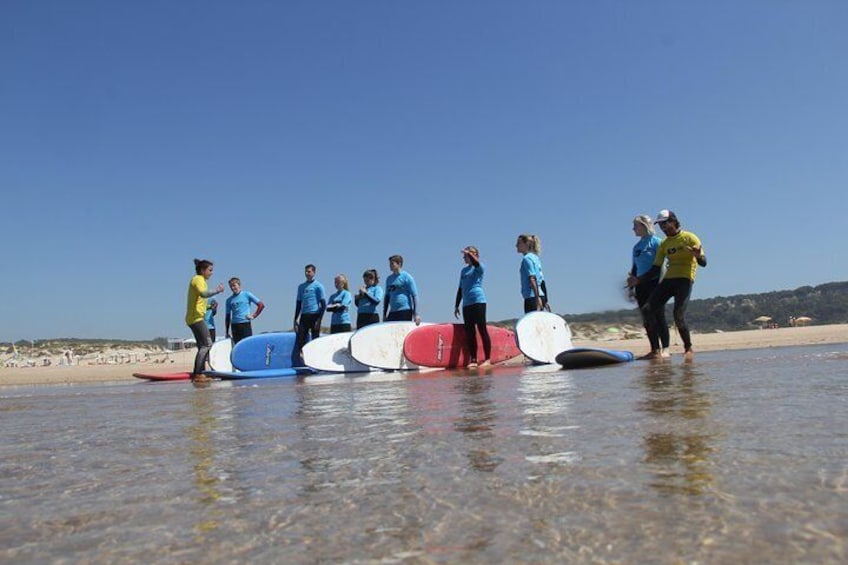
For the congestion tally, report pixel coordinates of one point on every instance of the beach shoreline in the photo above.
(182, 360)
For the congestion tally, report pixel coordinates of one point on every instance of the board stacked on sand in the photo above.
(264, 351)
(381, 345)
(446, 346)
(163, 376)
(541, 336)
(219, 355)
(585, 357)
(331, 353)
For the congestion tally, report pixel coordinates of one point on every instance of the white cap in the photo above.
(664, 216)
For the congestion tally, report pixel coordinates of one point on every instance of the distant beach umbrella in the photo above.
(762, 319)
(803, 320)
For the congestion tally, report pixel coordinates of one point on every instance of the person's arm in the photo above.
(457, 302)
(386, 300)
(213, 292)
(535, 288)
(259, 307)
(297, 306)
(698, 254)
(322, 307)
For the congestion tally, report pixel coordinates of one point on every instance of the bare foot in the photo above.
(472, 365)
(650, 356)
(486, 363)
(666, 354)
(689, 355)
(200, 378)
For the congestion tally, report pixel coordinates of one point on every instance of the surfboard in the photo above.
(541, 336)
(584, 357)
(219, 355)
(260, 373)
(381, 345)
(264, 351)
(163, 376)
(331, 353)
(445, 346)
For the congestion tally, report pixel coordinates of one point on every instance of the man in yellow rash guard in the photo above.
(683, 253)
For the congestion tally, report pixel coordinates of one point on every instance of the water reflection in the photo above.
(209, 424)
(477, 417)
(683, 434)
(545, 394)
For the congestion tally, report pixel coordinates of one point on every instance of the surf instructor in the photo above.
(683, 252)
(198, 293)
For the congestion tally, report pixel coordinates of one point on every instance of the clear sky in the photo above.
(264, 135)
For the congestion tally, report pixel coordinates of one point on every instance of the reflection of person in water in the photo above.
(478, 413)
(678, 452)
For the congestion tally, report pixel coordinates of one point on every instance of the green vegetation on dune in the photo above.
(824, 304)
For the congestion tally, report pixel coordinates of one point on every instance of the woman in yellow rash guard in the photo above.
(684, 253)
(196, 306)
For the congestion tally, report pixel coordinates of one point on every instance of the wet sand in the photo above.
(182, 360)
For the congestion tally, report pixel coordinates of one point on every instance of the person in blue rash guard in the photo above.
(644, 253)
(368, 298)
(401, 294)
(470, 294)
(533, 288)
(308, 311)
(238, 314)
(211, 310)
(339, 304)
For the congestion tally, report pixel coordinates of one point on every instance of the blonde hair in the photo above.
(534, 244)
(345, 284)
(646, 221)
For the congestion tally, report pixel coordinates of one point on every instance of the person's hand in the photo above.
(250, 316)
(696, 251)
(456, 313)
(294, 326)
(417, 320)
(632, 281)
(539, 305)
(220, 288)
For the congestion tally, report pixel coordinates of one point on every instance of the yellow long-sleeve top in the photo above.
(196, 306)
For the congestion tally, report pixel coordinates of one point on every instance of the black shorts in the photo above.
(363, 320)
(240, 331)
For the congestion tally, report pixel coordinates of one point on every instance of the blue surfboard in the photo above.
(260, 373)
(264, 351)
(585, 357)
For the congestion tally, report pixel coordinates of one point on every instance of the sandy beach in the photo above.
(182, 360)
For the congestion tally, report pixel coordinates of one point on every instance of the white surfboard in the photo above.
(219, 355)
(541, 336)
(330, 353)
(381, 345)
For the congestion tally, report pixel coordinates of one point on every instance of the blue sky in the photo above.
(136, 136)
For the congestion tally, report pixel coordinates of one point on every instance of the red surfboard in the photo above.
(163, 376)
(445, 346)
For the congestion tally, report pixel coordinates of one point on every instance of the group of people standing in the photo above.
(681, 250)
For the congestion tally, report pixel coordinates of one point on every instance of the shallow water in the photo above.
(739, 457)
